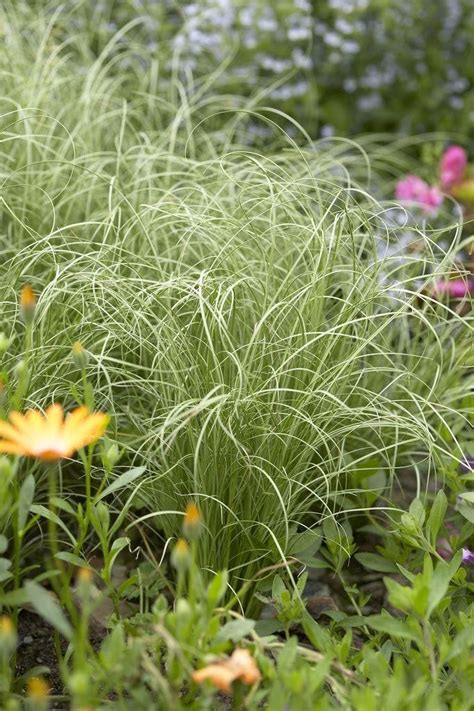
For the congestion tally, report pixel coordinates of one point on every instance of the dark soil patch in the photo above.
(36, 649)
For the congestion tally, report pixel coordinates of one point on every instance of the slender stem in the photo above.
(52, 525)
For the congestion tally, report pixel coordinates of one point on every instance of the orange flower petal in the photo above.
(7, 447)
(55, 417)
(19, 421)
(219, 675)
(74, 418)
(89, 431)
(245, 666)
(9, 432)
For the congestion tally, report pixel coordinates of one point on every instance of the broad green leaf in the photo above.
(46, 606)
(392, 626)
(368, 469)
(14, 598)
(307, 542)
(63, 505)
(217, 589)
(417, 510)
(436, 517)
(51, 516)
(466, 509)
(288, 655)
(121, 482)
(464, 641)
(235, 630)
(278, 587)
(3, 543)
(442, 576)
(117, 546)
(5, 564)
(265, 627)
(316, 634)
(25, 500)
(113, 647)
(372, 561)
(468, 496)
(73, 559)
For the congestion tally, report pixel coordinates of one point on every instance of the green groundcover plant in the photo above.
(265, 331)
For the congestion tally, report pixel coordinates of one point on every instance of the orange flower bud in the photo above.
(181, 555)
(38, 688)
(6, 626)
(79, 355)
(27, 303)
(192, 521)
(84, 576)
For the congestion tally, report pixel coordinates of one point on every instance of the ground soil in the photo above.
(36, 649)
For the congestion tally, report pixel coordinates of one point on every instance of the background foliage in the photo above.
(337, 66)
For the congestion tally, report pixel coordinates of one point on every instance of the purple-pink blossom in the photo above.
(467, 556)
(452, 167)
(454, 288)
(415, 189)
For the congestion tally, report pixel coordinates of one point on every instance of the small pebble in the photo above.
(28, 639)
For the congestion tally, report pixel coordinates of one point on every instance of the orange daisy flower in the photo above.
(240, 665)
(51, 436)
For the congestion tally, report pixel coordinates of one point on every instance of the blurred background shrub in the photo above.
(338, 66)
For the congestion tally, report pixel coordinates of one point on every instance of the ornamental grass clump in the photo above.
(257, 353)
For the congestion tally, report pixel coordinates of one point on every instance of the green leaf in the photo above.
(3, 543)
(436, 517)
(392, 626)
(316, 634)
(5, 564)
(25, 499)
(466, 509)
(278, 587)
(217, 589)
(468, 496)
(117, 546)
(46, 606)
(14, 598)
(235, 630)
(121, 482)
(442, 576)
(372, 561)
(113, 648)
(417, 510)
(464, 641)
(307, 543)
(370, 468)
(63, 505)
(267, 627)
(73, 559)
(51, 516)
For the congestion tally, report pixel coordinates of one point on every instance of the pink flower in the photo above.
(414, 189)
(452, 167)
(455, 288)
